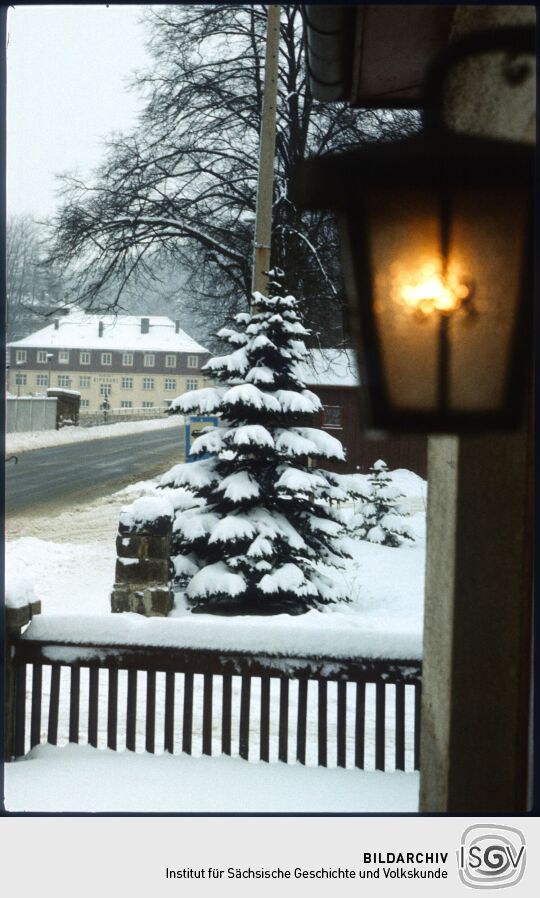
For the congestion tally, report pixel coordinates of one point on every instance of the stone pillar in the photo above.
(143, 568)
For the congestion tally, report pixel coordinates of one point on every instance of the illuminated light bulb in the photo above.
(429, 292)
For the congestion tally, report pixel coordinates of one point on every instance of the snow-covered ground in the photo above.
(45, 439)
(79, 778)
(69, 562)
(385, 585)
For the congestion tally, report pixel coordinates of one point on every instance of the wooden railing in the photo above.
(313, 711)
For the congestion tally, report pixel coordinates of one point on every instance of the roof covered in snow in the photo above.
(79, 330)
(330, 368)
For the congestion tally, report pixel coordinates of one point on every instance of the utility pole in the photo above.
(265, 183)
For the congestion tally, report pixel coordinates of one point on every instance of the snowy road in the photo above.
(49, 477)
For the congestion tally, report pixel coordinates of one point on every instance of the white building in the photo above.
(130, 361)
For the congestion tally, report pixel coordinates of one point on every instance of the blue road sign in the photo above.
(196, 425)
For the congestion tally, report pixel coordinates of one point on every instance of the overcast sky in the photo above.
(67, 73)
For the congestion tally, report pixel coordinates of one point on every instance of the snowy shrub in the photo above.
(382, 520)
(264, 518)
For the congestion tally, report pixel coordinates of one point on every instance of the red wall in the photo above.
(398, 452)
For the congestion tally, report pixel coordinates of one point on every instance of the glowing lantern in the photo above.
(436, 243)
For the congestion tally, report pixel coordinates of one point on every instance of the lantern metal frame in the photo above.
(442, 160)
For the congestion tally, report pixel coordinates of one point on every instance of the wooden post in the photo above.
(265, 184)
(9, 704)
(479, 584)
(15, 620)
(477, 625)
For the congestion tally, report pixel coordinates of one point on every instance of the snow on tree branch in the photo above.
(263, 518)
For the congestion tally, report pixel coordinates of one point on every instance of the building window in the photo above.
(148, 383)
(41, 356)
(63, 357)
(20, 380)
(84, 381)
(85, 403)
(84, 358)
(149, 360)
(332, 416)
(193, 361)
(170, 383)
(127, 383)
(126, 403)
(170, 361)
(106, 358)
(127, 358)
(64, 380)
(148, 405)
(105, 389)
(20, 355)
(42, 380)
(192, 383)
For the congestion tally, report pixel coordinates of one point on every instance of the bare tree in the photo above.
(33, 292)
(182, 185)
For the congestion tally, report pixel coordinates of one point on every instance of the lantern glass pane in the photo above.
(445, 302)
(488, 237)
(404, 240)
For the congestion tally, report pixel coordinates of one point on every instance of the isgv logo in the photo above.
(491, 857)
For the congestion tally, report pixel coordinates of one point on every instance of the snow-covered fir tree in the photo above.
(255, 521)
(383, 519)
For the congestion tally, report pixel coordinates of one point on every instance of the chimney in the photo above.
(177, 326)
(145, 325)
(56, 324)
(100, 329)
